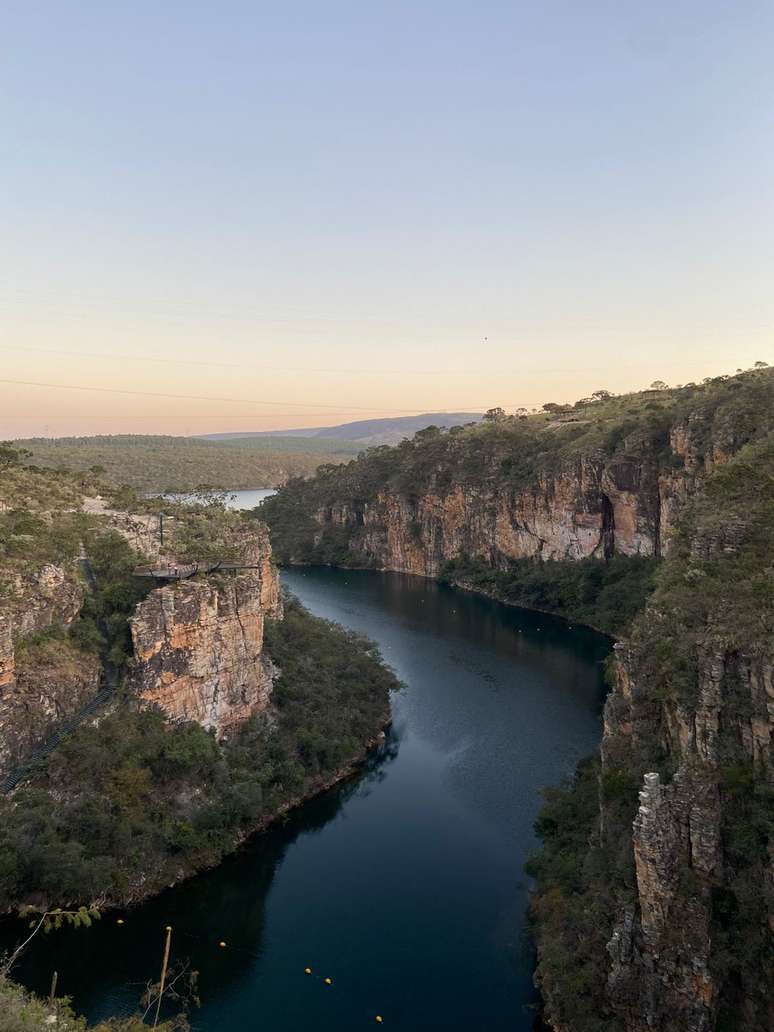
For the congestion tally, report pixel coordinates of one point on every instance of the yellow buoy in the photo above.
(379, 1019)
(120, 920)
(307, 971)
(328, 981)
(221, 944)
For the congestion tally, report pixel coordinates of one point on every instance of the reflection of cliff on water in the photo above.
(113, 962)
(451, 613)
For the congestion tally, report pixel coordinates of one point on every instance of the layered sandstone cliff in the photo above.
(483, 504)
(588, 509)
(198, 644)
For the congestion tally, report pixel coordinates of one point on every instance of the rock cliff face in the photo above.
(198, 644)
(669, 964)
(34, 696)
(588, 510)
(592, 506)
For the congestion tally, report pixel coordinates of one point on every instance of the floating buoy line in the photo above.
(325, 980)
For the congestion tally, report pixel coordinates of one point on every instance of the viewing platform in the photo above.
(182, 571)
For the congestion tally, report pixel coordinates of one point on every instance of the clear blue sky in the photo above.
(365, 208)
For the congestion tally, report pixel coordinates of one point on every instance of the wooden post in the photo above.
(52, 994)
(163, 973)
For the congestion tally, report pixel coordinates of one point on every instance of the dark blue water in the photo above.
(404, 886)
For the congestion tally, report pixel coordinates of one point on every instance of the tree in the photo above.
(427, 434)
(495, 415)
(10, 456)
(658, 385)
(761, 365)
(601, 395)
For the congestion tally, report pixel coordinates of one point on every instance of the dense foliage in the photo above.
(103, 621)
(121, 808)
(579, 873)
(718, 581)
(606, 594)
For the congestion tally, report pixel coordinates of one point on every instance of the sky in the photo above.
(249, 216)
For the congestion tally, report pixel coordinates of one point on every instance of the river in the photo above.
(404, 886)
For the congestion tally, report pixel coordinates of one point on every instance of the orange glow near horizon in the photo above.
(186, 388)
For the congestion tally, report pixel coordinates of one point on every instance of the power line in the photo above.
(214, 363)
(206, 397)
(245, 365)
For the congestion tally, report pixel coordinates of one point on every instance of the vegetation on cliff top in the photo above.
(21, 1011)
(510, 452)
(125, 807)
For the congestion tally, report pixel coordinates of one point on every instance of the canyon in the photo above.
(685, 479)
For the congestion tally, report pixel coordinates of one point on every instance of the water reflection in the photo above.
(106, 968)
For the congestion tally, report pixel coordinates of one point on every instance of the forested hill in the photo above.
(161, 463)
(363, 433)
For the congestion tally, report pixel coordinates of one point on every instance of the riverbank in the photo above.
(496, 596)
(348, 770)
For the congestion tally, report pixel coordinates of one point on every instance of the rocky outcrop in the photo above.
(33, 696)
(198, 644)
(53, 681)
(45, 595)
(668, 970)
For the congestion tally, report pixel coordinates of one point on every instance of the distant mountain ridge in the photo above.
(368, 432)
